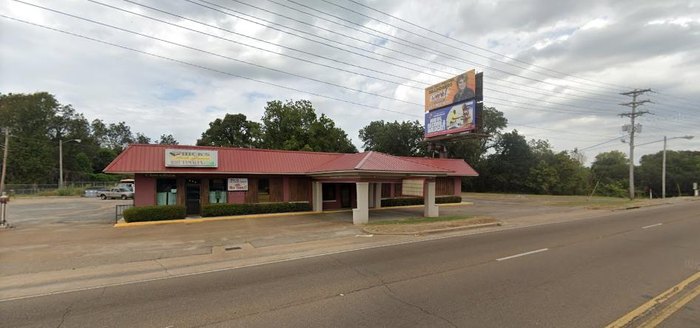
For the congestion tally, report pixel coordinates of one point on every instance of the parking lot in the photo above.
(33, 211)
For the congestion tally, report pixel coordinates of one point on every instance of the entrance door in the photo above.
(192, 196)
(345, 195)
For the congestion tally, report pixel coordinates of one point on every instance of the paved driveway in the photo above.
(24, 212)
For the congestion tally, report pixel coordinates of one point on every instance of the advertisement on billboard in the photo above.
(456, 118)
(457, 89)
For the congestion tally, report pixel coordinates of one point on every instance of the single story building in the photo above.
(194, 176)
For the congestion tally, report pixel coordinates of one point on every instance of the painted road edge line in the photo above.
(523, 254)
(652, 225)
(656, 301)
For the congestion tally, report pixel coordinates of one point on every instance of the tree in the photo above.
(294, 126)
(509, 166)
(233, 131)
(168, 140)
(114, 136)
(610, 166)
(142, 139)
(396, 138)
(610, 170)
(682, 169)
(28, 117)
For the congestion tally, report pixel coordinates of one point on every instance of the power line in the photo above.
(219, 55)
(261, 40)
(481, 48)
(293, 49)
(202, 67)
(261, 66)
(484, 67)
(230, 58)
(316, 36)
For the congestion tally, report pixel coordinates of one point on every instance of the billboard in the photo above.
(457, 89)
(456, 118)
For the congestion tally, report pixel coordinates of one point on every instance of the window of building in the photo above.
(166, 192)
(329, 192)
(217, 191)
(263, 190)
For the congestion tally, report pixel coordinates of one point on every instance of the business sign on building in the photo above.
(457, 89)
(412, 187)
(452, 119)
(191, 158)
(237, 184)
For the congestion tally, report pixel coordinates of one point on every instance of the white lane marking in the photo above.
(653, 225)
(522, 254)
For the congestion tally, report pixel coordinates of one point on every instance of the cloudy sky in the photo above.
(555, 68)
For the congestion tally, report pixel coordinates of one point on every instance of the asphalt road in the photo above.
(584, 273)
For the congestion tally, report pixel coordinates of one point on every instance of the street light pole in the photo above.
(60, 164)
(663, 172)
(60, 161)
(4, 160)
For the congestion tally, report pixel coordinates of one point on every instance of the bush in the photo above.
(155, 213)
(419, 201)
(448, 199)
(243, 209)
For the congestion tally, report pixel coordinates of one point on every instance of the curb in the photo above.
(123, 224)
(429, 231)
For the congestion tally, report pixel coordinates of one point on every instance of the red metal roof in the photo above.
(151, 159)
(458, 166)
(376, 162)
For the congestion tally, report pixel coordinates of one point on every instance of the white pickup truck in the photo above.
(117, 193)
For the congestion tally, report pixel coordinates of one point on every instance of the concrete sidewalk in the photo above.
(39, 262)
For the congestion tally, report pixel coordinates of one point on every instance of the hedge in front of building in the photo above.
(261, 208)
(155, 213)
(419, 201)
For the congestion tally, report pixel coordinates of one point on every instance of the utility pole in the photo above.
(4, 160)
(632, 129)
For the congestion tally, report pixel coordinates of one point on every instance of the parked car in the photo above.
(117, 193)
(94, 191)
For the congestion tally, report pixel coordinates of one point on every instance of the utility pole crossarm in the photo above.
(637, 113)
(635, 92)
(631, 104)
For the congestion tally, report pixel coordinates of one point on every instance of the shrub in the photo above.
(419, 201)
(155, 213)
(448, 199)
(243, 209)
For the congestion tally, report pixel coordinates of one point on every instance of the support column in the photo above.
(317, 196)
(360, 215)
(431, 209)
(378, 195)
(371, 195)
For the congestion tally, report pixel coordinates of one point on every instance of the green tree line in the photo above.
(506, 160)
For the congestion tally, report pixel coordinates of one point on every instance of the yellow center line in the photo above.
(656, 301)
(671, 309)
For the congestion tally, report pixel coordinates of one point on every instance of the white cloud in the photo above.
(609, 46)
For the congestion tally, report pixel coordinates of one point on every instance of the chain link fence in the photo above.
(34, 188)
